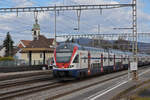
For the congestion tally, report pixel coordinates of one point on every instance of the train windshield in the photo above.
(64, 53)
(63, 57)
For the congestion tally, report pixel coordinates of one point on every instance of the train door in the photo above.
(117, 60)
(105, 61)
(120, 61)
(110, 61)
(76, 61)
(101, 62)
(83, 59)
(124, 60)
(114, 62)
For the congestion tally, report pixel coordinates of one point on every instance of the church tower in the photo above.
(36, 30)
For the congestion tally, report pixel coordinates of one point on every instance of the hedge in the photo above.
(6, 59)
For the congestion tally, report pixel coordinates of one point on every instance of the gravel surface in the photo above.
(47, 94)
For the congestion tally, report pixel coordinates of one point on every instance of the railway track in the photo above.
(10, 87)
(90, 85)
(18, 75)
(23, 81)
(49, 85)
(84, 87)
(26, 91)
(52, 85)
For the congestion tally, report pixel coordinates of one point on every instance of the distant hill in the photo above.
(83, 41)
(143, 47)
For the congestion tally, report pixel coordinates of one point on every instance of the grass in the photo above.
(136, 94)
(140, 98)
(137, 97)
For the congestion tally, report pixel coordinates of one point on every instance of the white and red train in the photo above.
(75, 61)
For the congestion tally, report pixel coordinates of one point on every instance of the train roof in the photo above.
(80, 47)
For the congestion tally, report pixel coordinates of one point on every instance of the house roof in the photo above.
(26, 42)
(41, 42)
(23, 43)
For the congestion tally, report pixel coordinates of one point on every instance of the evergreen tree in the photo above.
(8, 44)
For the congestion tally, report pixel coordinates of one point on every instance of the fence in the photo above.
(19, 65)
(21, 68)
(7, 63)
(22, 63)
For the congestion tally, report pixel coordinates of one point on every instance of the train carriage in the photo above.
(74, 61)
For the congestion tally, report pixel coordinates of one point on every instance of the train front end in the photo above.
(65, 61)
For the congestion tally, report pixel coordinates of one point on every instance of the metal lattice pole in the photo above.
(55, 43)
(135, 35)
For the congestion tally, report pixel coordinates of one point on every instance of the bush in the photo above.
(6, 59)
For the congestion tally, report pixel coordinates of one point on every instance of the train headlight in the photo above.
(71, 66)
(55, 66)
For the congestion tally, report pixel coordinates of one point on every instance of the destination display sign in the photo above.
(133, 66)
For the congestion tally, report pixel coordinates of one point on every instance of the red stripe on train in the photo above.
(55, 55)
(102, 69)
(114, 63)
(89, 63)
(121, 61)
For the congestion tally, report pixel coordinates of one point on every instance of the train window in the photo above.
(111, 59)
(99, 64)
(94, 65)
(76, 60)
(62, 57)
(84, 60)
(104, 59)
(124, 59)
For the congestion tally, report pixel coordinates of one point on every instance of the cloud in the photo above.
(22, 3)
(94, 1)
(20, 27)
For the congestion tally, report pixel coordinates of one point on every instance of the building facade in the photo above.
(39, 50)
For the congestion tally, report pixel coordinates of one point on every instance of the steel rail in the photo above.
(26, 91)
(88, 86)
(24, 81)
(55, 84)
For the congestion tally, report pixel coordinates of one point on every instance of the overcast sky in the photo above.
(20, 26)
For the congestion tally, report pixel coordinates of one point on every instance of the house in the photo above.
(39, 50)
(18, 48)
